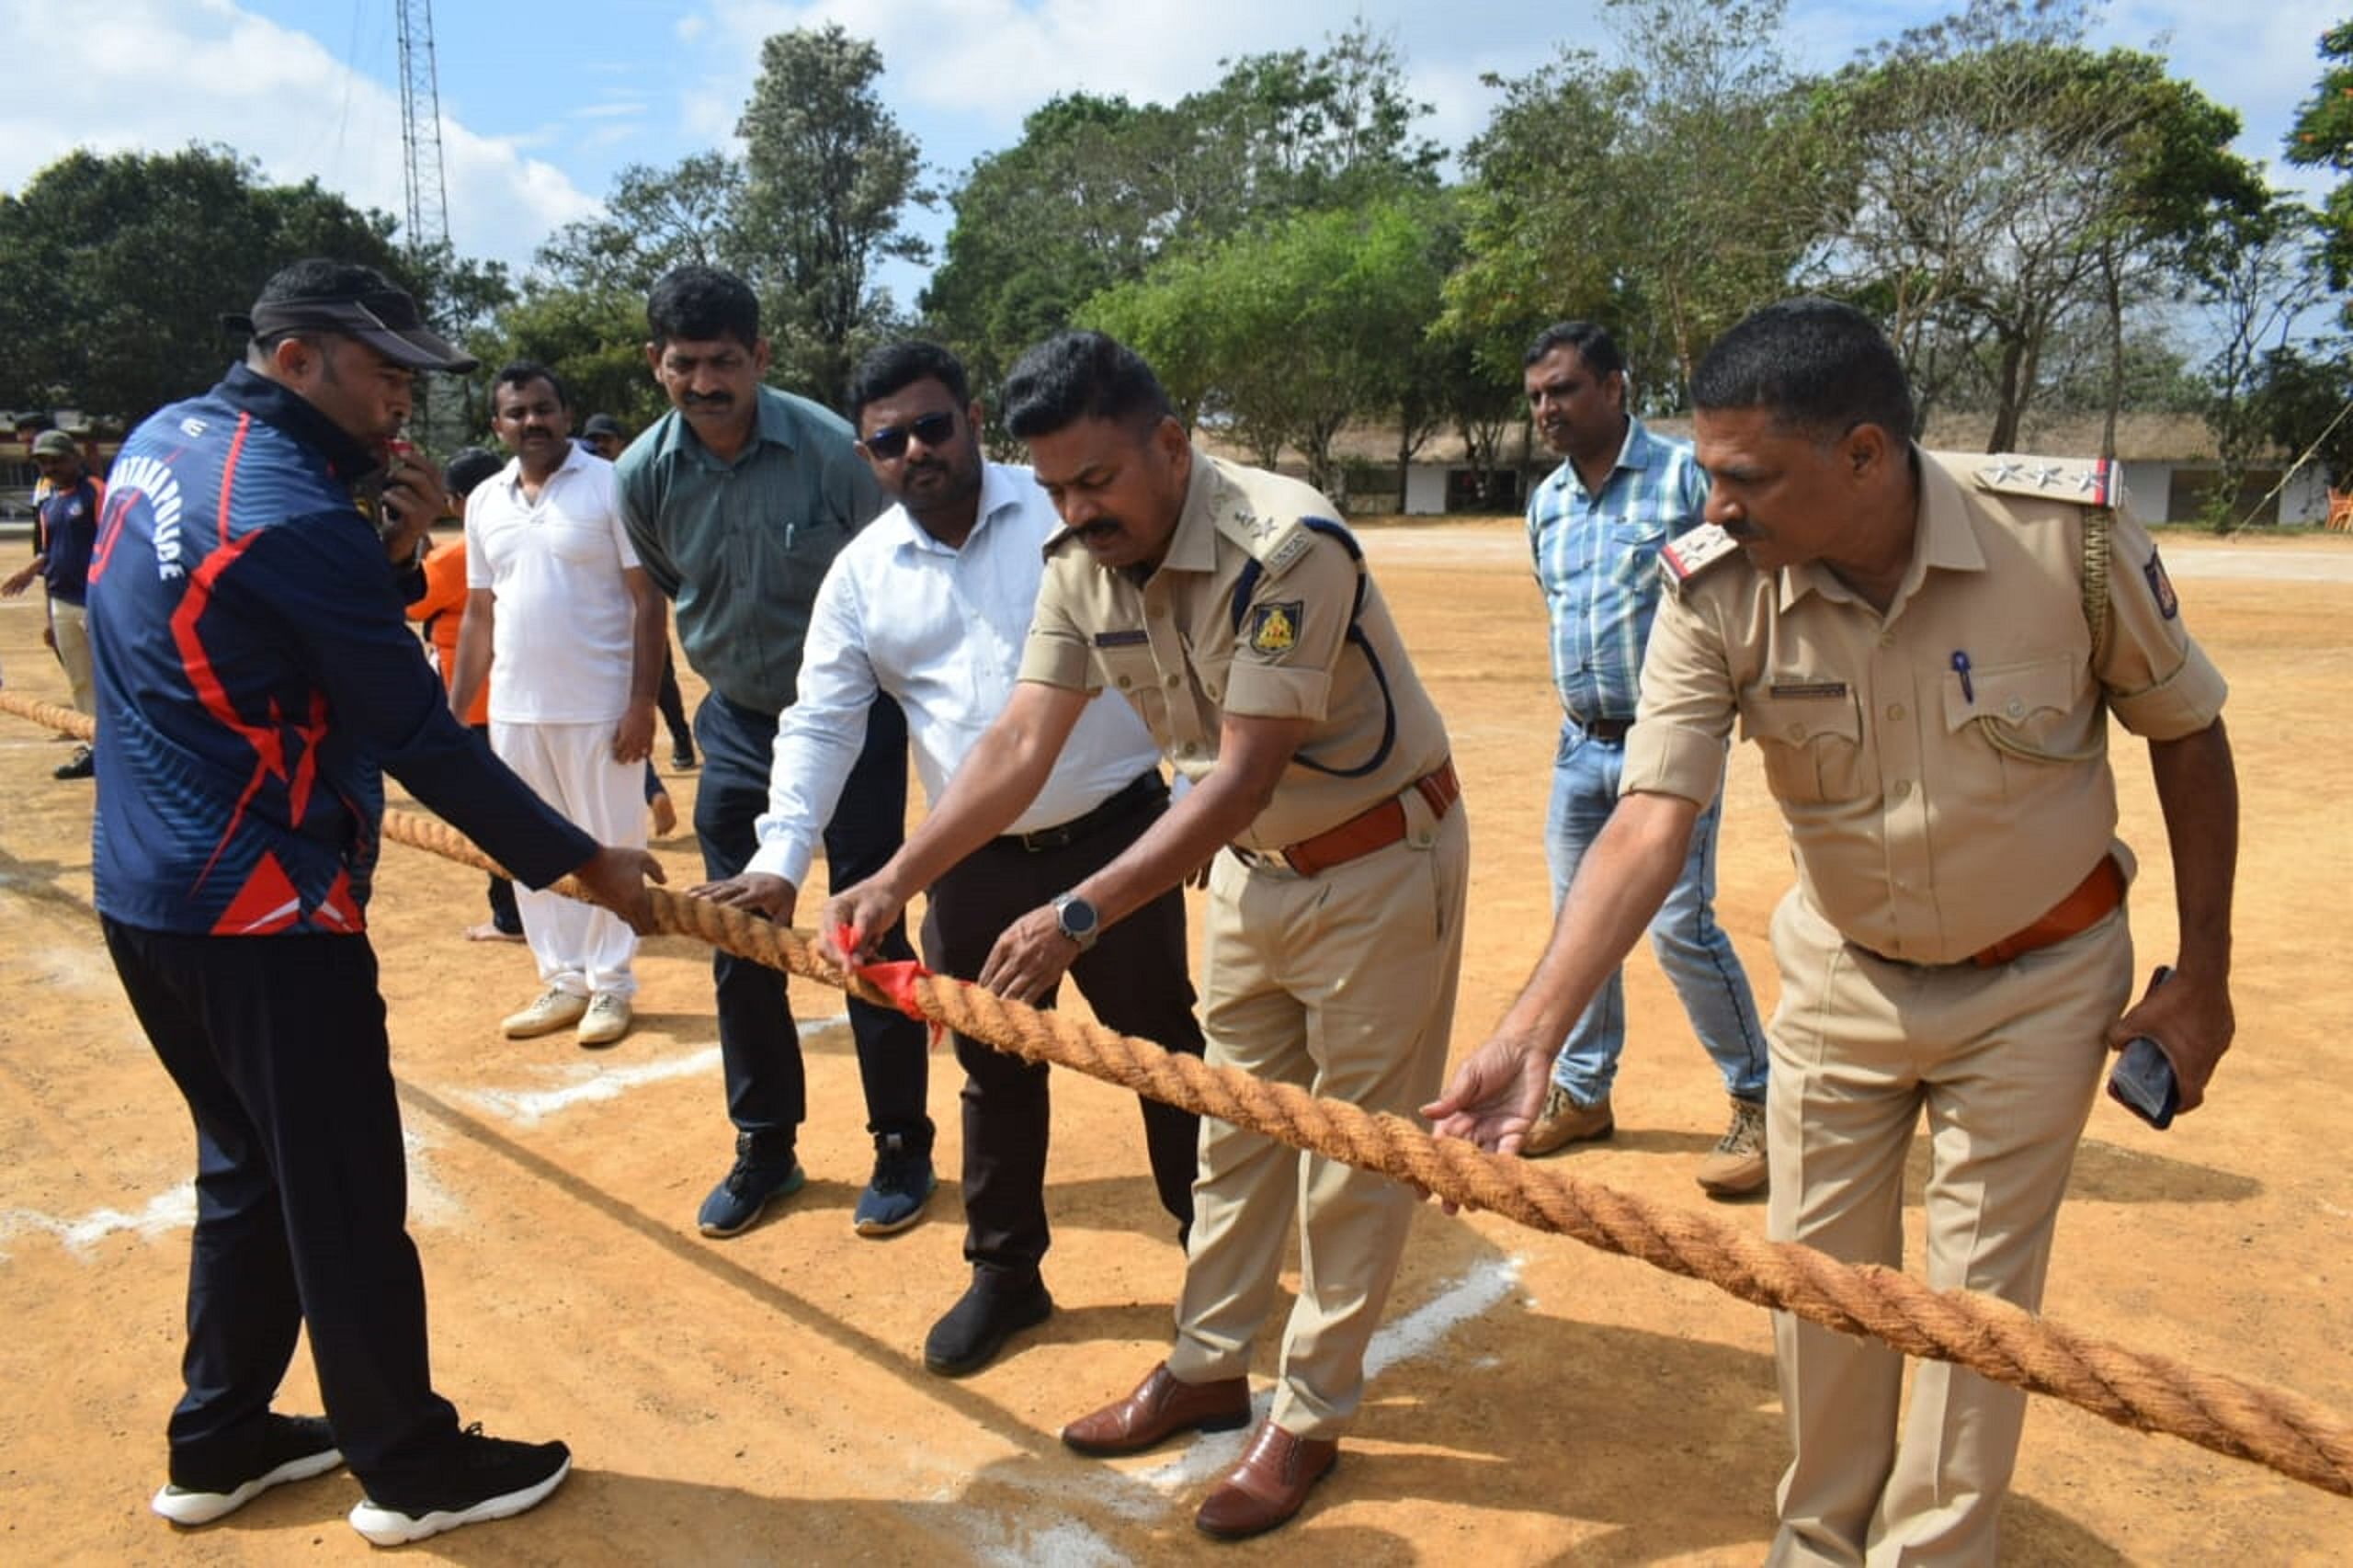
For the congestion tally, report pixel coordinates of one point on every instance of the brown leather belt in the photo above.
(1376, 828)
(2078, 912)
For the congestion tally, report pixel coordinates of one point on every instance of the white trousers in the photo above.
(580, 948)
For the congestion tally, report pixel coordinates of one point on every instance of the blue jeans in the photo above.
(758, 1043)
(1692, 948)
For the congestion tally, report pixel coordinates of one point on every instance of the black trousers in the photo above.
(759, 1045)
(1137, 979)
(277, 1044)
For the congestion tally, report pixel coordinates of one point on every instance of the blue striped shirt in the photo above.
(1597, 560)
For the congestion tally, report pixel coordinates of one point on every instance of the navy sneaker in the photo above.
(903, 1184)
(756, 1180)
(223, 1477)
(483, 1478)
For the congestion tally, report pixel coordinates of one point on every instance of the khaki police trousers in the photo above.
(2004, 1061)
(1344, 985)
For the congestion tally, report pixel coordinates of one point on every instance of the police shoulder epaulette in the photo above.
(1273, 542)
(1685, 558)
(2086, 482)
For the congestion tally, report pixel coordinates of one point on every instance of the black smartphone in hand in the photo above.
(2142, 1081)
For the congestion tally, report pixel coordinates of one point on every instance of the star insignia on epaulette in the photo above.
(2000, 473)
(2047, 475)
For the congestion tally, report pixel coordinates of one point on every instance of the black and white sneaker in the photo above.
(218, 1482)
(483, 1478)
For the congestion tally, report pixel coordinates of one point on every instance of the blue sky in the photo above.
(540, 104)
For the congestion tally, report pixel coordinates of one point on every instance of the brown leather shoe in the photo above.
(1161, 1407)
(1268, 1487)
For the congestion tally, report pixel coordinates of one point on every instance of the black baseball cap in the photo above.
(356, 302)
(469, 468)
(602, 425)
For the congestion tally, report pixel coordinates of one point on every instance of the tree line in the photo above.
(2041, 225)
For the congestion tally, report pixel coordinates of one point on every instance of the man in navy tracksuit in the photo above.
(255, 675)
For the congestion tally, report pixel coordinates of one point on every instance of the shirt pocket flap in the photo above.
(1799, 721)
(1127, 668)
(2026, 696)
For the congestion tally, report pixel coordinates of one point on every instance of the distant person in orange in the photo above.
(441, 610)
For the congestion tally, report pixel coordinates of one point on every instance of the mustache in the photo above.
(1101, 527)
(707, 400)
(1742, 530)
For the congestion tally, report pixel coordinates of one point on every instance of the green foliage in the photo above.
(1999, 179)
(594, 338)
(2305, 399)
(827, 173)
(115, 272)
(803, 217)
(2322, 137)
(1098, 189)
(1664, 193)
(653, 221)
(1281, 336)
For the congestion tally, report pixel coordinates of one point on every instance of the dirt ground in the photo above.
(763, 1399)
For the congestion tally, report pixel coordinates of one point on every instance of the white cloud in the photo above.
(154, 75)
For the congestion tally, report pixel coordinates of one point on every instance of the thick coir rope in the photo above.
(2284, 1431)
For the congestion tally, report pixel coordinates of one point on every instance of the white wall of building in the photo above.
(1425, 490)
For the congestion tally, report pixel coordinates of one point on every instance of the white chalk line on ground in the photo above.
(429, 1203)
(590, 1083)
(1144, 1494)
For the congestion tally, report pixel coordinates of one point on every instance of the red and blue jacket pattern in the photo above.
(256, 678)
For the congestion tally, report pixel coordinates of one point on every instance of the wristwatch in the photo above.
(1076, 919)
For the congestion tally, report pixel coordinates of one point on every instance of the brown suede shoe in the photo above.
(1161, 1407)
(1562, 1121)
(1268, 1487)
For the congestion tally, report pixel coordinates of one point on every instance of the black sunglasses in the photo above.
(890, 441)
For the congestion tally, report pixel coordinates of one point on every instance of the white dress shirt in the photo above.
(942, 632)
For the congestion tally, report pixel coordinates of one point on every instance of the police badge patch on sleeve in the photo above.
(2161, 586)
(1274, 627)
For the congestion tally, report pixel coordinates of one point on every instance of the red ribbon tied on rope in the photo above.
(896, 980)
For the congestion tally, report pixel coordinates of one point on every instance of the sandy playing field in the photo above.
(763, 1399)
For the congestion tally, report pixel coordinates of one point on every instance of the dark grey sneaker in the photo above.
(483, 1478)
(992, 1312)
(223, 1478)
(756, 1180)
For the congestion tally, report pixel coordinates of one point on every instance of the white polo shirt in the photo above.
(564, 630)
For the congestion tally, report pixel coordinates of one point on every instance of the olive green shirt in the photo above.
(1931, 815)
(1182, 653)
(742, 546)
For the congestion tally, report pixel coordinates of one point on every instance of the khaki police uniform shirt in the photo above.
(1173, 647)
(1931, 817)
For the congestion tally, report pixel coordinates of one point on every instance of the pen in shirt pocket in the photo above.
(1960, 668)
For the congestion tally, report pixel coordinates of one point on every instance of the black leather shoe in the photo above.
(992, 1312)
